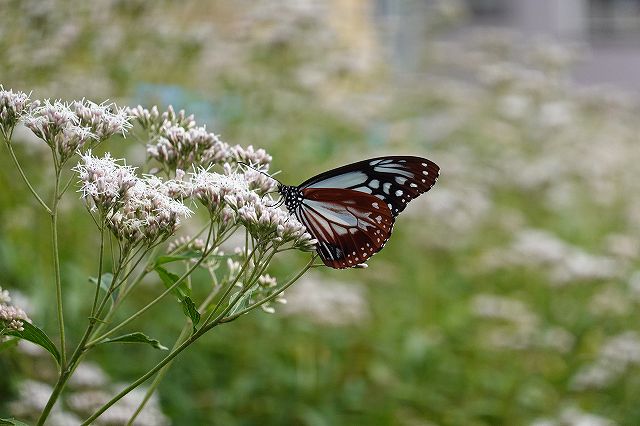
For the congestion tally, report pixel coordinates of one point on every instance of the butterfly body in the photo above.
(351, 210)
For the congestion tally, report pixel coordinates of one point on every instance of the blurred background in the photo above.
(508, 295)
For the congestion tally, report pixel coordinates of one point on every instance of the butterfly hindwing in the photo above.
(396, 180)
(350, 226)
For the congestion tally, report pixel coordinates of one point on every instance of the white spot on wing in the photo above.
(401, 180)
(344, 180)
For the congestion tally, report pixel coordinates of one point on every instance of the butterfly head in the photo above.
(291, 195)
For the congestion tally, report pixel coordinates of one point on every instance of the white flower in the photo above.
(178, 147)
(104, 180)
(11, 317)
(135, 209)
(574, 416)
(216, 191)
(59, 126)
(273, 223)
(88, 375)
(249, 155)
(565, 262)
(259, 182)
(147, 214)
(13, 105)
(103, 120)
(616, 355)
(187, 243)
(328, 302)
(146, 118)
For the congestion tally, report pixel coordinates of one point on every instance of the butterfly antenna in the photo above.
(278, 203)
(260, 171)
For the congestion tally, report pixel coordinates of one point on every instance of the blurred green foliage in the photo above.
(501, 292)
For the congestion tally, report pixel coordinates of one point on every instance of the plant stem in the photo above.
(99, 279)
(68, 369)
(183, 334)
(268, 298)
(145, 377)
(56, 266)
(156, 300)
(24, 176)
(149, 268)
(179, 349)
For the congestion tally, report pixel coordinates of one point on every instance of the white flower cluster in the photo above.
(136, 209)
(104, 120)
(177, 147)
(266, 286)
(57, 125)
(153, 121)
(178, 143)
(517, 328)
(149, 209)
(229, 196)
(249, 155)
(104, 181)
(574, 416)
(221, 193)
(11, 317)
(186, 243)
(65, 127)
(84, 398)
(328, 302)
(268, 222)
(13, 105)
(259, 182)
(564, 262)
(616, 356)
(147, 214)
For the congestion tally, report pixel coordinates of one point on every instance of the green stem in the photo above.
(253, 276)
(101, 256)
(177, 350)
(147, 269)
(271, 297)
(156, 381)
(231, 285)
(154, 301)
(56, 267)
(145, 377)
(24, 176)
(68, 369)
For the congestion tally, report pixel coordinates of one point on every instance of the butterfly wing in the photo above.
(350, 226)
(396, 180)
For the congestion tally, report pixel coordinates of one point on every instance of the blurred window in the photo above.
(614, 19)
(488, 10)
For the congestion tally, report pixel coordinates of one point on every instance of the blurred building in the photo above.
(608, 29)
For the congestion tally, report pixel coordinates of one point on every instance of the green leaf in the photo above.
(190, 310)
(169, 279)
(35, 335)
(105, 283)
(177, 257)
(136, 337)
(12, 422)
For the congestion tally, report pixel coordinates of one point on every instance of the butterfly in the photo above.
(351, 210)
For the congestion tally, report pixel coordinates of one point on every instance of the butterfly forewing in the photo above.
(350, 226)
(396, 180)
